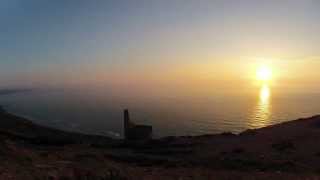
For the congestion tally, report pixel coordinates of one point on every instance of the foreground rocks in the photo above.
(285, 151)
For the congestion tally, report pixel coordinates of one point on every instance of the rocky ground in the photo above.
(286, 151)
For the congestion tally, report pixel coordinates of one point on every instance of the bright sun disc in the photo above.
(264, 73)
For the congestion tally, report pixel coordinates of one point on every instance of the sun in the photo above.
(264, 73)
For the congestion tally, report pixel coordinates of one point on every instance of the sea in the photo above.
(101, 113)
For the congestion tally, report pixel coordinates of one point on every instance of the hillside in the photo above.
(287, 151)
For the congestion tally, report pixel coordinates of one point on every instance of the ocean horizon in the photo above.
(101, 114)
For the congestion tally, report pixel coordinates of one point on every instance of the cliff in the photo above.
(287, 151)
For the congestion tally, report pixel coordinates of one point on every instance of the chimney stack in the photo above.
(126, 123)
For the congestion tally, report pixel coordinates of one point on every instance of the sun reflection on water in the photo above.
(264, 95)
(262, 112)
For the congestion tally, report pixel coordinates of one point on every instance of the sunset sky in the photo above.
(210, 44)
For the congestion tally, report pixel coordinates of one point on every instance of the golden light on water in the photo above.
(262, 112)
(264, 94)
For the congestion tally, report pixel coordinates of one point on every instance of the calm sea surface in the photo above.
(95, 113)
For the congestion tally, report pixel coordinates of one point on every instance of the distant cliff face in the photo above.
(13, 91)
(2, 110)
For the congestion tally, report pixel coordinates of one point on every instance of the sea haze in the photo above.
(101, 113)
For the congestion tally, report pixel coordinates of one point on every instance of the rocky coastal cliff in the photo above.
(287, 151)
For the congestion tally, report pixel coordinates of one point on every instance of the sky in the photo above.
(171, 44)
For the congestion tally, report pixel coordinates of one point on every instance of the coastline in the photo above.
(288, 150)
(34, 120)
(117, 136)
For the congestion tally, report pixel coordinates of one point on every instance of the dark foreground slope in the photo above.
(285, 151)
